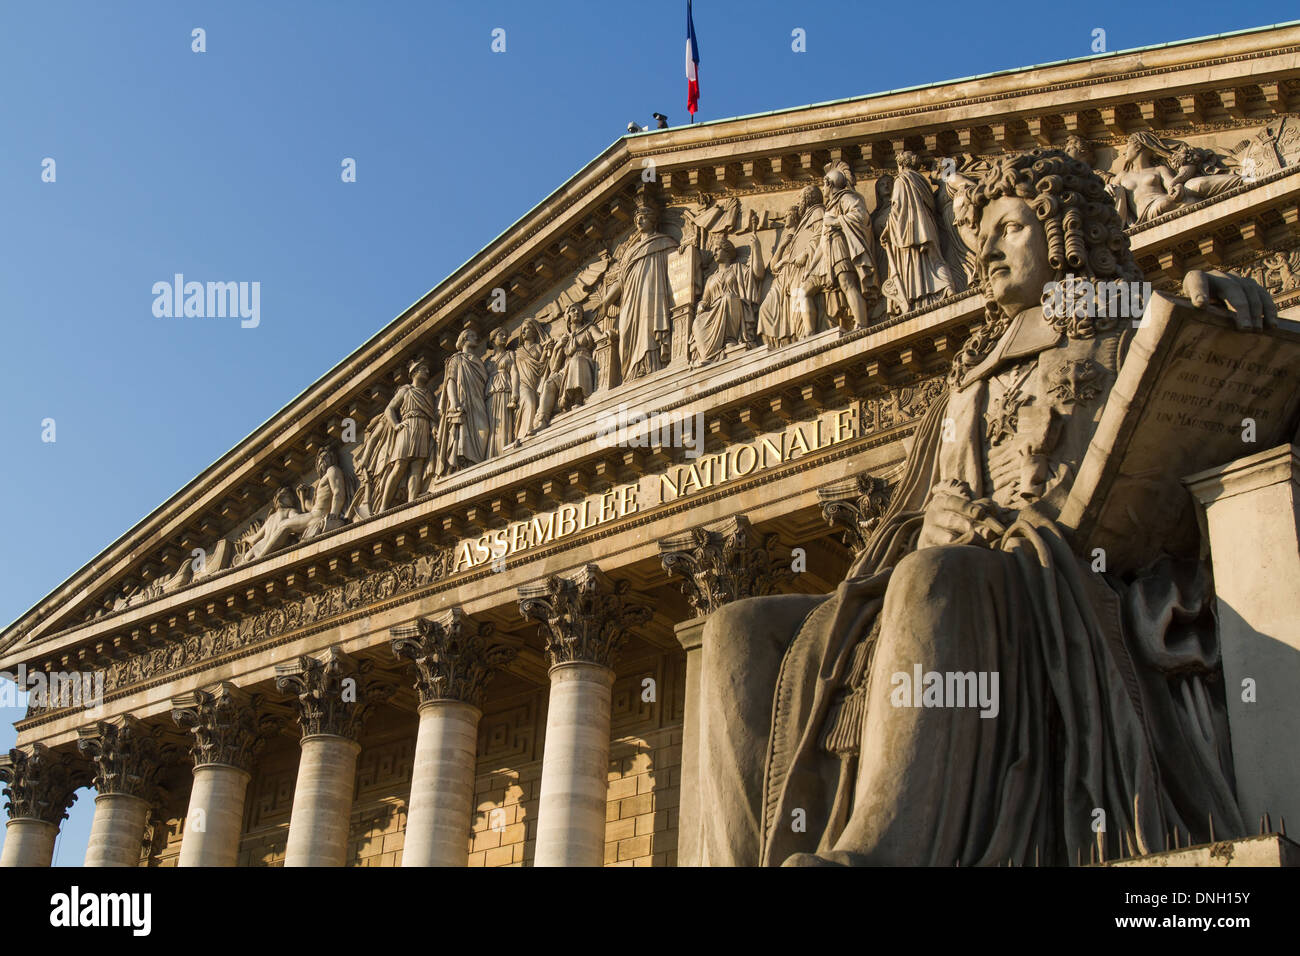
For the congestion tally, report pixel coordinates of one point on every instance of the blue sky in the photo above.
(225, 165)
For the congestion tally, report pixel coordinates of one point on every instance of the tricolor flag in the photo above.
(692, 65)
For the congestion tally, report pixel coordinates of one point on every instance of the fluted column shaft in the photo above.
(215, 818)
(442, 785)
(28, 842)
(575, 786)
(585, 620)
(454, 659)
(117, 831)
(322, 802)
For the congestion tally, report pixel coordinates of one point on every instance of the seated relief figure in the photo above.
(727, 306)
(1104, 700)
(571, 370)
(319, 508)
(1158, 177)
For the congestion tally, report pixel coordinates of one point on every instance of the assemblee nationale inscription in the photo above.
(736, 461)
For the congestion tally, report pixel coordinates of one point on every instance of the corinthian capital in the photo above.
(40, 783)
(722, 563)
(452, 655)
(584, 616)
(223, 720)
(124, 754)
(331, 699)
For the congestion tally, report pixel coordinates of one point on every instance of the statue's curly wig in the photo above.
(1085, 236)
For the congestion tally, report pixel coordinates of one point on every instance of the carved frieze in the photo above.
(898, 406)
(453, 655)
(724, 563)
(583, 615)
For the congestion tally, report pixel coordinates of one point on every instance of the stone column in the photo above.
(126, 762)
(453, 661)
(40, 785)
(1252, 513)
(584, 620)
(717, 564)
(332, 707)
(226, 739)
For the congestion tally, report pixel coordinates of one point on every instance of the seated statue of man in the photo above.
(1105, 731)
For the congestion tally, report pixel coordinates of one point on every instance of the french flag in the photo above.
(692, 65)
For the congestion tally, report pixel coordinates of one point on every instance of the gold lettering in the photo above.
(741, 470)
(518, 536)
(462, 560)
(692, 476)
(778, 451)
(627, 503)
(607, 506)
(844, 424)
(568, 515)
(666, 482)
(538, 536)
(798, 442)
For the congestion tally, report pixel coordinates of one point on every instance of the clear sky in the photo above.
(225, 165)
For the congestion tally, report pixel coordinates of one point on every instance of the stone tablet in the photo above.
(1184, 401)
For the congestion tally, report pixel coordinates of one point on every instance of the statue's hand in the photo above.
(1252, 306)
(952, 517)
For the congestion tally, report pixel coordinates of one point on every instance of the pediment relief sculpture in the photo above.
(742, 275)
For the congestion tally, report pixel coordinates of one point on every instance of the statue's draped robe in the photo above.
(913, 243)
(787, 313)
(1104, 699)
(579, 367)
(849, 248)
(500, 370)
(527, 373)
(464, 423)
(726, 309)
(645, 303)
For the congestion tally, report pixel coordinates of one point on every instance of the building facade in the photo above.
(449, 607)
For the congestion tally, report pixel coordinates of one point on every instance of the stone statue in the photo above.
(954, 206)
(570, 368)
(640, 286)
(727, 306)
(463, 423)
(319, 508)
(527, 372)
(913, 244)
(789, 311)
(501, 400)
(1107, 697)
(848, 255)
(576, 345)
(405, 436)
(1159, 176)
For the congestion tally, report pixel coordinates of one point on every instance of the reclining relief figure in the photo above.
(1104, 706)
